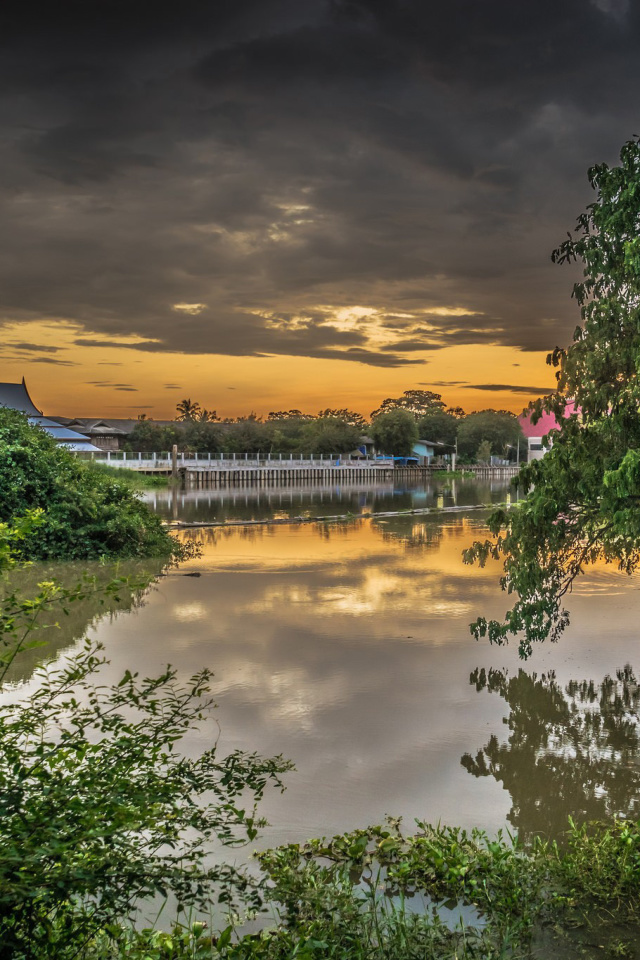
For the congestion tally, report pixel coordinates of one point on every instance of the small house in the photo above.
(536, 433)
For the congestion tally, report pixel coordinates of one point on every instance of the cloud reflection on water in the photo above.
(346, 648)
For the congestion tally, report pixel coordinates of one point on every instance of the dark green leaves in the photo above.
(583, 498)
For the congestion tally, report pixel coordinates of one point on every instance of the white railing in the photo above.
(235, 461)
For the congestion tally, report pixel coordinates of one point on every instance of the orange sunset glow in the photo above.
(122, 381)
(300, 206)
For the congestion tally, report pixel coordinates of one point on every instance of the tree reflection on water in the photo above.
(65, 623)
(572, 751)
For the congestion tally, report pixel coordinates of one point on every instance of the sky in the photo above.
(266, 204)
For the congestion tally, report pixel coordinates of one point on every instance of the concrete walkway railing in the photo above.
(226, 461)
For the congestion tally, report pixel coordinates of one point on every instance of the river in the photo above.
(346, 648)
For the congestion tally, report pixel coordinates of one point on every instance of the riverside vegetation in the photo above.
(99, 810)
(133, 478)
(85, 513)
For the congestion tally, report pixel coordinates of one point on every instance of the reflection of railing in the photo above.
(226, 461)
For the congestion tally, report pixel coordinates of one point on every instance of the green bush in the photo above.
(99, 809)
(395, 432)
(86, 513)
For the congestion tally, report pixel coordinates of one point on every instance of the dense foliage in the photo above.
(329, 432)
(148, 436)
(395, 432)
(583, 496)
(497, 428)
(98, 807)
(85, 513)
(417, 402)
(438, 425)
(441, 894)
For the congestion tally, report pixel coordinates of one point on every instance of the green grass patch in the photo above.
(453, 474)
(133, 478)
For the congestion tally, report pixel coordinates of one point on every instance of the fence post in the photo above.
(174, 461)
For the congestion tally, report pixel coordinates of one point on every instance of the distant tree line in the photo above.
(394, 427)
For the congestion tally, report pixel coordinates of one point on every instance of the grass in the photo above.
(133, 478)
(453, 474)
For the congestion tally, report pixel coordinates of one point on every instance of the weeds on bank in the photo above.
(133, 478)
(443, 894)
(453, 474)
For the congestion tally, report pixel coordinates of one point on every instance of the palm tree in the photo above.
(187, 410)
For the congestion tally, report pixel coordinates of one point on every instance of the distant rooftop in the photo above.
(546, 422)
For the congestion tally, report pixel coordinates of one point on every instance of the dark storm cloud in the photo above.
(509, 388)
(86, 342)
(53, 360)
(445, 383)
(188, 176)
(110, 385)
(35, 347)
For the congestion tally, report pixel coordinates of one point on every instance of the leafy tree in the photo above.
(250, 418)
(347, 416)
(417, 402)
(330, 435)
(245, 436)
(148, 437)
(207, 416)
(483, 453)
(498, 427)
(202, 436)
(86, 514)
(289, 415)
(395, 432)
(439, 425)
(188, 410)
(583, 496)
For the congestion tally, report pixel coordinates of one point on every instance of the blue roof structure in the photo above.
(15, 396)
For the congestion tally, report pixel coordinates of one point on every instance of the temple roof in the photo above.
(16, 397)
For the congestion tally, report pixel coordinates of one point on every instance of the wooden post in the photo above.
(174, 461)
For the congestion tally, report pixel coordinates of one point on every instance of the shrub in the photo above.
(98, 807)
(86, 513)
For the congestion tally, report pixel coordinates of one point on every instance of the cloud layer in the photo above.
(231, 178)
